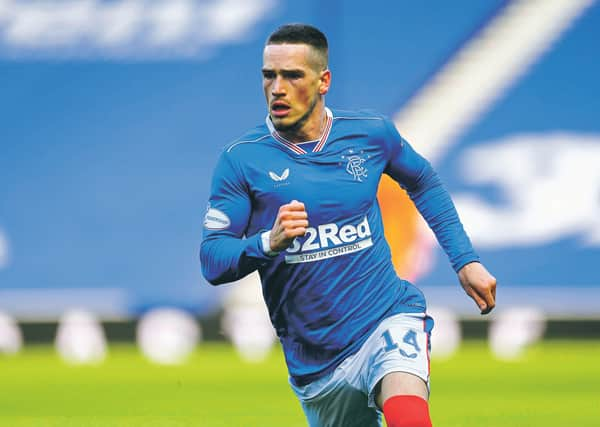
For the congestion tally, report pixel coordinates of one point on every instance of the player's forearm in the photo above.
(225, 259)
(435, 205)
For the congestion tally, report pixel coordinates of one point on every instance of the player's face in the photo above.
(293, 86)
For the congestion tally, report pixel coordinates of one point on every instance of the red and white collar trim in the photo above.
(296, 148)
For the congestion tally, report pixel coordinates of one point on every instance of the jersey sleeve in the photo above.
(226, 253)
(415, 174)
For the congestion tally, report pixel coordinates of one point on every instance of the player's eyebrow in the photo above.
(292, 73)
(285, 72)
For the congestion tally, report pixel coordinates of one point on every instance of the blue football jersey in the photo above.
(330, 289)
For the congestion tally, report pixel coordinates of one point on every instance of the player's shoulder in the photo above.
(247, 142)
(369, 121)
(358, 115)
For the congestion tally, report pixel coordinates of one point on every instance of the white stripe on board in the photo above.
(479, 73)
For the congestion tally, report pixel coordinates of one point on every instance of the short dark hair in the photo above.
(301, 34)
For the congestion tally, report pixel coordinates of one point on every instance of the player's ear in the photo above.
(325, 82)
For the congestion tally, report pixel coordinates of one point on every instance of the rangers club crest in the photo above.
(355, 166)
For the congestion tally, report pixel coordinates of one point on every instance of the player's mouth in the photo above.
(280, 109)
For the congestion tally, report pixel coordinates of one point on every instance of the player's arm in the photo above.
(226, 253)
(415, 174)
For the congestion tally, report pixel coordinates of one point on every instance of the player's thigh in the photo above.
(400, 383)
(345, 406)
(399, 361)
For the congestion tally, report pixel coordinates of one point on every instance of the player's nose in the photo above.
(278, 88)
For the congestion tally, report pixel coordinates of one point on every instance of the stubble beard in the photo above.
(293, 129)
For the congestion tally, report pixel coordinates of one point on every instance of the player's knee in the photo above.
(406, 411)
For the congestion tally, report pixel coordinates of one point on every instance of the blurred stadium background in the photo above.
(112, 115)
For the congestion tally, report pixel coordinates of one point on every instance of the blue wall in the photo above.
(105, 161)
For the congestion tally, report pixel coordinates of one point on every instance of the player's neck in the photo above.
(311, 129)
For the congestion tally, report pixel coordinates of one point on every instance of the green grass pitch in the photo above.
(555, 384)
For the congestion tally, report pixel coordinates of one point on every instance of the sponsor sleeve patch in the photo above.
(216, 220)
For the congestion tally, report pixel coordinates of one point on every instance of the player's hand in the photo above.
(291, 222)
(480, 285)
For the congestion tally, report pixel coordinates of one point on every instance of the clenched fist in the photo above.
(291, 222)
